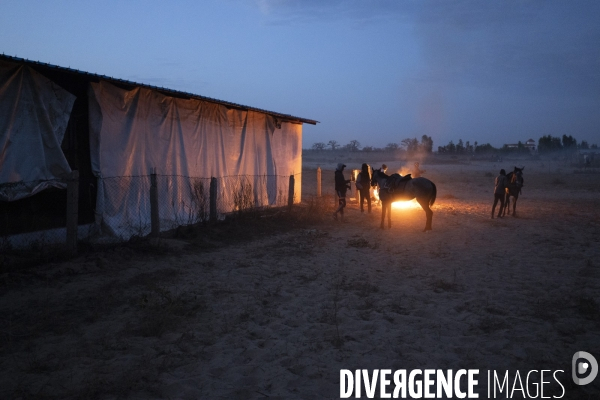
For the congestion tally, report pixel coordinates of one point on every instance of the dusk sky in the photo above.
(372, 71)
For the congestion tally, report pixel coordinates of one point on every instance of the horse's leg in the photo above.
(514, 213)
(383, 208)
(390, 215)
(428, 213)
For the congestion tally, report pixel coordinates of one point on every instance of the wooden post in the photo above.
(154, 215)
(318, 181)
(72, 211)
(213, 199)
(291, 193)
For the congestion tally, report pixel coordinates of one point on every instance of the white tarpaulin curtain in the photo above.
(34, 113)
(135, 131)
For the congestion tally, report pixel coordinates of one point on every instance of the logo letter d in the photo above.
(591, 361)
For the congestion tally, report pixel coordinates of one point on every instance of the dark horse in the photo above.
(420, 188)
(513, 189)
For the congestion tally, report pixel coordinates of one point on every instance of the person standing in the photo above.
(341, 186)
(363, 184)
(499, 186)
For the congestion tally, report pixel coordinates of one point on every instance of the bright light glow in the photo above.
(401, 205)
(406, 204)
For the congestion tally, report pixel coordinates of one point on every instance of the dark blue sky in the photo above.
(372, 71)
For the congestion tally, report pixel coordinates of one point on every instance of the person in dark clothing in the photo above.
(499, 186)
(363, 184)
(341, 185)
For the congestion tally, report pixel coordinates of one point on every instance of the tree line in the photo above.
(410, 145)
(545, 144)
(550, 143)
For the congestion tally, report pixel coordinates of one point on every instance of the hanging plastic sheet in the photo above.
(35, 112)
(134, 132)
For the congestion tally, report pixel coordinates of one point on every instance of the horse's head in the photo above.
(374, 176)
(517, 177)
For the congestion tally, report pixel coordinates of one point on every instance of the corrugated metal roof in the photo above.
(285, 117)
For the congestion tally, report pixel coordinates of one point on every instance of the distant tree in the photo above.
(354, 145)
(368, 149)
(460, 147)
(426, 144)
(333, 144)
(410, 145)
(451, 147)
(584, 145)
(594, 146)
(392, 146)
(468, 147)
(484, 148)
(569, 142)
(318, 146)
(549, 143)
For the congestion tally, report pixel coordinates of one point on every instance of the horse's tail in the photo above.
(433, 195)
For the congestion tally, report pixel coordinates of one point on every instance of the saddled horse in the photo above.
(407, 189)
(513, 189)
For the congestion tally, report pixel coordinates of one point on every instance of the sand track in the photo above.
(281, 315)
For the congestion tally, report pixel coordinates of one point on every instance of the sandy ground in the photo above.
(280, 316)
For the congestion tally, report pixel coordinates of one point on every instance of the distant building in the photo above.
(530, 144)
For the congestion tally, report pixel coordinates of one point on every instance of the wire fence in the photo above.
(140, 205)
(135, 205)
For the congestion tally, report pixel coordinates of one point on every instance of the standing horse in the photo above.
(513, 189)
(420, 188)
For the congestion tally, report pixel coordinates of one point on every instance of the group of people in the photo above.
(363, 185)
